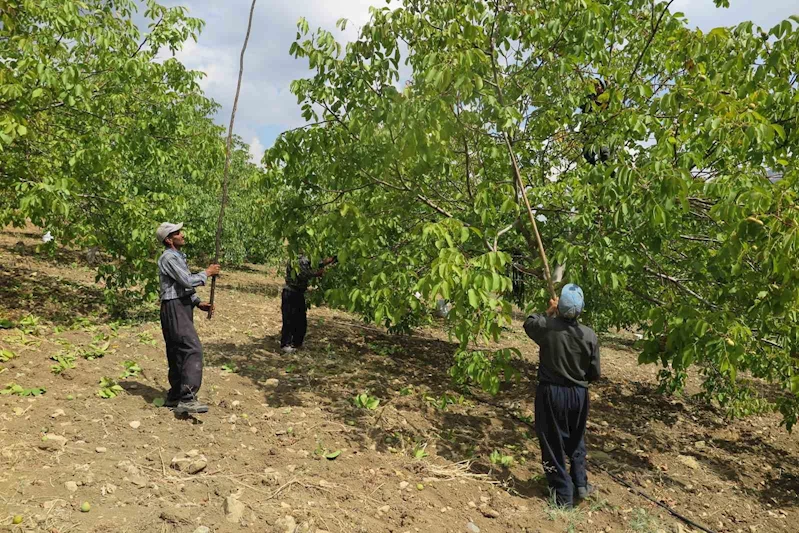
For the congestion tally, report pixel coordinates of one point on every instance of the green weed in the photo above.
(498, 458)
(109, 388)
(132, 369)
(643, 522)
(365, 401)
(572, 516)
(63, 361)
(95, 351)
(6, 355)
(18, 390)
(230, 368)
(145, 337)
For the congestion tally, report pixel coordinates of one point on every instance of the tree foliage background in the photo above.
(680, 233)
(101, 138)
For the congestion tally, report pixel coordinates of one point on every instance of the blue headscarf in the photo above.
(571, 301)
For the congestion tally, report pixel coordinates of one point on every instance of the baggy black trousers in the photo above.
(560, 416)
(184, 352)
(295, 321)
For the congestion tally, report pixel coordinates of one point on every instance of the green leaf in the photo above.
(332, 455)
(474, 301)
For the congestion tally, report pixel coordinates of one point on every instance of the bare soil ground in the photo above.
(284, 448)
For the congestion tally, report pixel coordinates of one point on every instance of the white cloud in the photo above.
(256, 151)
(265, 102)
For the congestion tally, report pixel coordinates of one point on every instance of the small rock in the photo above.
(139, 481)
(100, 449)
(485, 499)
(202, 529)
(52, 442)
(488, 512)
(472, 527)
(384, 509)
(699, 445)
(403, 485)
(71, 486)
(287, 524)
(688, 461)
(108, 488)
(58, 412)
(191, 462)
(271, 382)
(305, 527)
(135, 424)
(232, 419)
(234, 509)
(176, 516)
(236, 403)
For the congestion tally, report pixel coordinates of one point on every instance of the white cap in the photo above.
(165, 229)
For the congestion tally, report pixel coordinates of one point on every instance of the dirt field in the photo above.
(285, 449)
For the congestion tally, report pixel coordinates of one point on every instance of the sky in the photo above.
(267, 107)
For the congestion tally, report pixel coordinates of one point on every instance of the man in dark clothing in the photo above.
(184, 352)
(292, 306)
(569, 361)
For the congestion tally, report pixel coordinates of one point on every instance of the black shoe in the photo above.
(190, 407)
(563, 504)
(171, 404)
(585, 492)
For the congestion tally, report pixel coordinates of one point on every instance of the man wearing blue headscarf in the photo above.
(569, 361)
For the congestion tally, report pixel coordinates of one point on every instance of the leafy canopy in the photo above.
(680, 232)
(103, 135)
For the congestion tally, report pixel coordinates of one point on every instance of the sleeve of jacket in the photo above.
(307, 272)
(536, 326)
(177, 269)
(593, 372)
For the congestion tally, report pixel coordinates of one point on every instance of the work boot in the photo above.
(585, 492)
(190, 407)
(288, 349)
(171, 404)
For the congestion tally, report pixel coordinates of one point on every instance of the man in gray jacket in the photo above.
(184, 352)
(569, 361)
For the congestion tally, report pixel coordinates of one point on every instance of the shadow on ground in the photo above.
(55, 299)
(410, 376)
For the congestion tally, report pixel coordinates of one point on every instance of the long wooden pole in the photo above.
(227, 160)
(517, 174)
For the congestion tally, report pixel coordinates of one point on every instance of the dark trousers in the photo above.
(560, 416)
(184, 353)
(295, 321)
